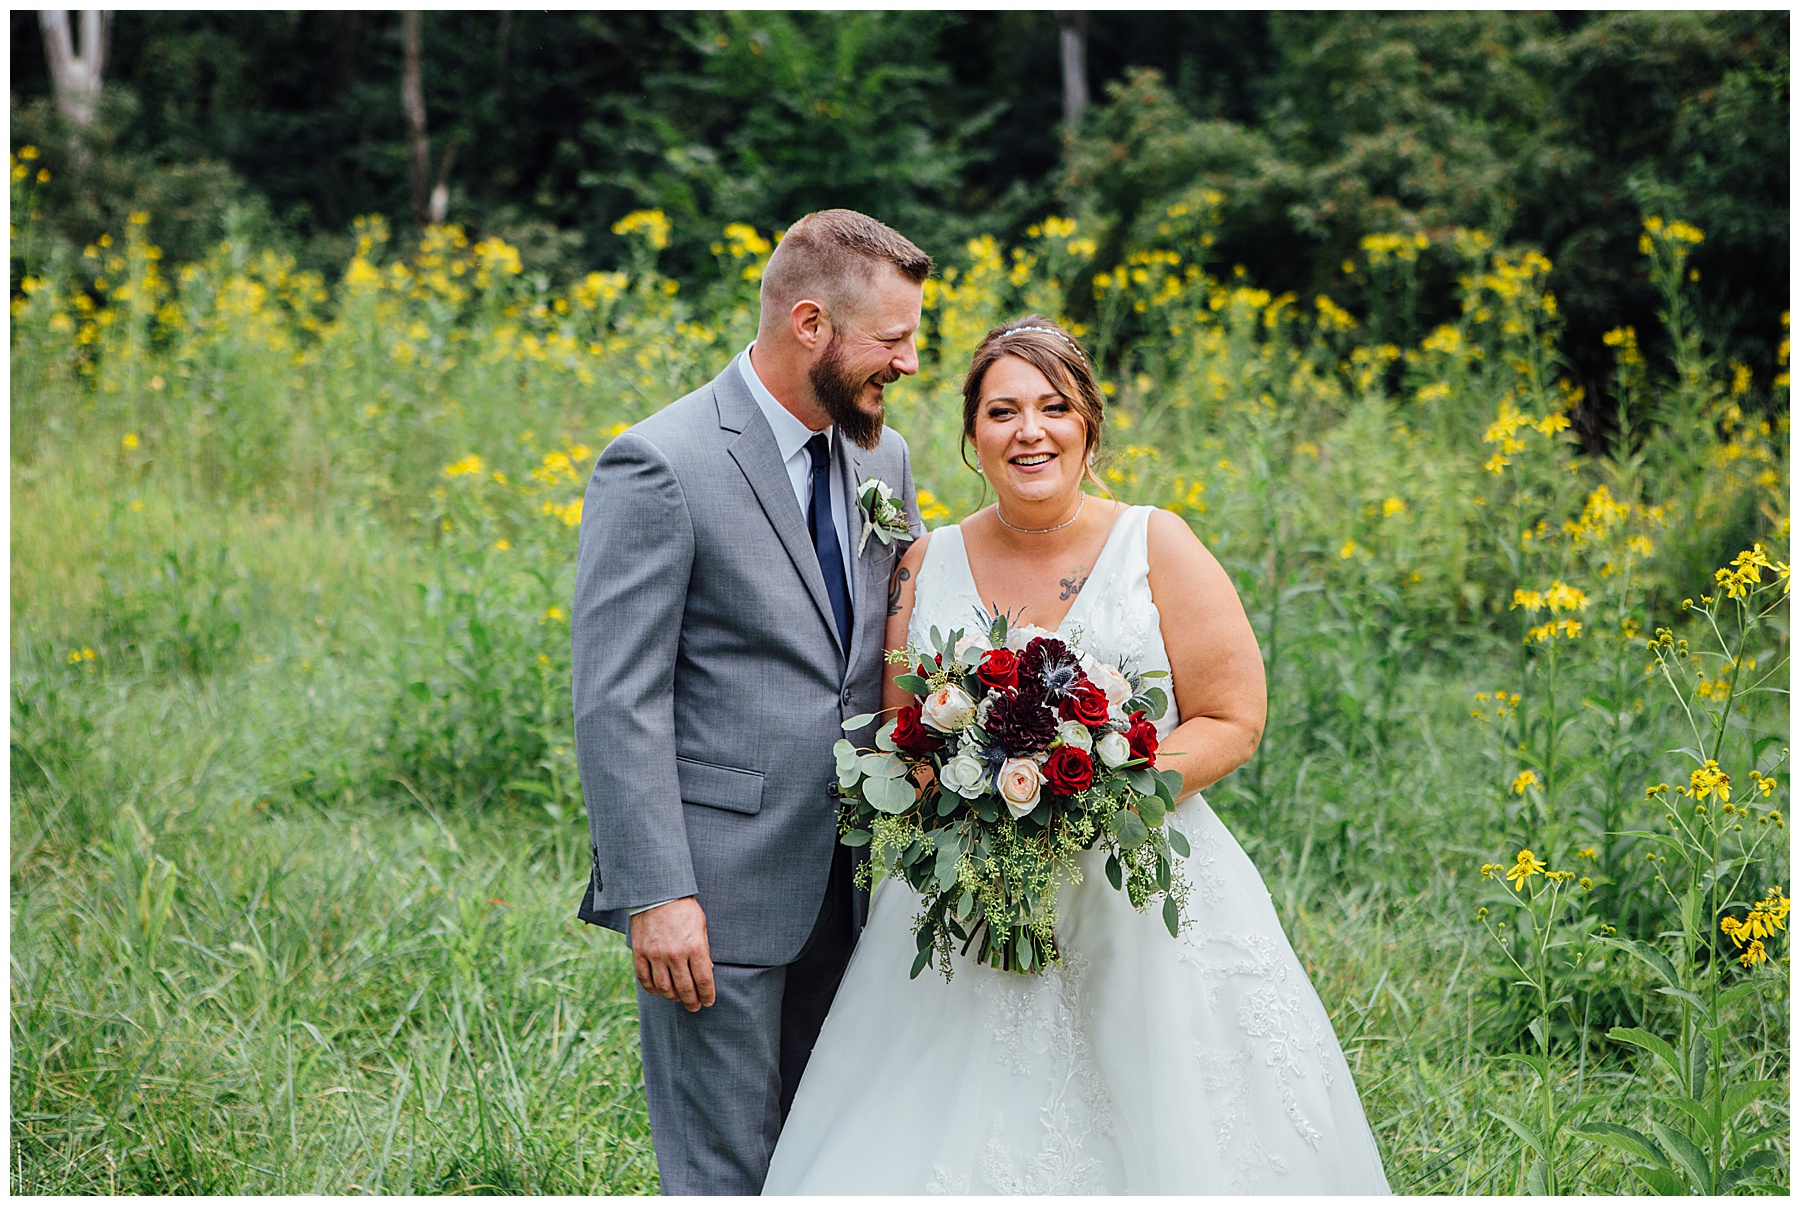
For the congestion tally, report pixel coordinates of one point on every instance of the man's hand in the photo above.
(669, 948)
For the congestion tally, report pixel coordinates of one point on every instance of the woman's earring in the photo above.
(1090, 460)
(978, 472)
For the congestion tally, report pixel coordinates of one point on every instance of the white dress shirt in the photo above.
(791, 437)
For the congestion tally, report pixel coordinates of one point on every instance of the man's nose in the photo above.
(906, 359)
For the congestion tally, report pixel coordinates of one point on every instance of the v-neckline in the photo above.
(1105, 548)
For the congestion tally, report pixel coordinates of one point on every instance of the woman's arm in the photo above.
(900, 606)
(1213, 655)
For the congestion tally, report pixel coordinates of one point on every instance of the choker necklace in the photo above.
(1041, 531)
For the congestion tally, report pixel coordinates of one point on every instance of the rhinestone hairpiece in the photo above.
(1049, 331)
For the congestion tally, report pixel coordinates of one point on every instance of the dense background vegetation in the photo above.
(296, 835)
(1547, 130)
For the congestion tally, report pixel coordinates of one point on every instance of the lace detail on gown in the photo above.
(1036, 1023)
(1140, 1064)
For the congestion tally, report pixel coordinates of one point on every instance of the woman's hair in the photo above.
(1043, 344)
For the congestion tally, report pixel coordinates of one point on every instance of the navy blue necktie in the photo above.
(824, 534)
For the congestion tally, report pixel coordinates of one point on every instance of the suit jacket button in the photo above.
(846, 697)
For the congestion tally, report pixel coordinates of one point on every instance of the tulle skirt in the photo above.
(1142, 1064)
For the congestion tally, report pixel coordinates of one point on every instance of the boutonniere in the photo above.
(882, 515)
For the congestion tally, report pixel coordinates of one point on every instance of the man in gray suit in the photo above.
(729, 615)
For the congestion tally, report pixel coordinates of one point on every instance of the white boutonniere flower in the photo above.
(882, 515)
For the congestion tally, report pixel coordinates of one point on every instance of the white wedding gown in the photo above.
(1141, 1064)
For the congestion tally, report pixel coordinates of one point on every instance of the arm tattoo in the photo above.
(1071, 586)
(900, 575)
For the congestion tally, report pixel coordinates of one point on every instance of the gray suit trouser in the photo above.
(719, 1082)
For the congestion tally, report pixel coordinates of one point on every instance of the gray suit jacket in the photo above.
(709, 681)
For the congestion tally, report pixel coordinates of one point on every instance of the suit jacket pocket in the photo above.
(716, 786)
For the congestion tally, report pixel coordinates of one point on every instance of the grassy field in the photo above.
(296, 833)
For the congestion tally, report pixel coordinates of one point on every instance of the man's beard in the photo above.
(837, 392)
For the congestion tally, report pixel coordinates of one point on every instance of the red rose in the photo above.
(912, 737)
(1086, 703)
(999, 669)
(1069, 770)
(1142, 736)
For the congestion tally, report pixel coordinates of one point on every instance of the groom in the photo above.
(728, 617)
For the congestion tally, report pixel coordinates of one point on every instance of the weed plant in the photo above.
(297, 835)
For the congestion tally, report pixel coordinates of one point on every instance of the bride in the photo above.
(1139, 1063)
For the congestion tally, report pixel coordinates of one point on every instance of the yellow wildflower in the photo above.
(1709, 780)
(1525, 779)
(1527, 866)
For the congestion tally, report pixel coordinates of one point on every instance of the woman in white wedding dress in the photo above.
(1140, 1063)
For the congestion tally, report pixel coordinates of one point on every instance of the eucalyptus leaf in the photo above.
(1172, 916)
(913, 684)
(1151, 810)
(856, 837)
(882, 766)
(1130, 829)
(1177, 841)
(892, 796)
(859, 720)
(1114, 873)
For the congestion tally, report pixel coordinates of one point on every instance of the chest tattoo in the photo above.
(1071, 586)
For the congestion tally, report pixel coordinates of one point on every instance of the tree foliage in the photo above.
(1318, 129)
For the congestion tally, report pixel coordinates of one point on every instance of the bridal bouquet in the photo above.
(1020, 752)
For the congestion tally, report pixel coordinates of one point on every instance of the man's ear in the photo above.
(811, 325)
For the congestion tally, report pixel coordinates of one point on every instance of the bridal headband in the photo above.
(1047, 331)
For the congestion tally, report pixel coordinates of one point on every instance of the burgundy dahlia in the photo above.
(1021, 721)
(1050, 664)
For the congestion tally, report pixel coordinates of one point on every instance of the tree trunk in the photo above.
(1074, 67)
(75, 78)
(412, 100)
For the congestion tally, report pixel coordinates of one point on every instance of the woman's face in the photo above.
(1030, 440)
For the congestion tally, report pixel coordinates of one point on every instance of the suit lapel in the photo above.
(850, 463)
(758, 456)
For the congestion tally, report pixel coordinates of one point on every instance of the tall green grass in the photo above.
(296, 833)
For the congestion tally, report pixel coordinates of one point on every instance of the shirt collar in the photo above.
(791, 435)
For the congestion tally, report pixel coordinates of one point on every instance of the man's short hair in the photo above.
(830, 256)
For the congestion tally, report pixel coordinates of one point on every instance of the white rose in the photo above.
(947, 709)
(977, 642)
(1073, 732)
(1114, 750)
(1021, 636)
(1108, 679)
(1021, 783)
(965, 775)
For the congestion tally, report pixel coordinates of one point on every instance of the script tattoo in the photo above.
(900, 576)
(1071, 586)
